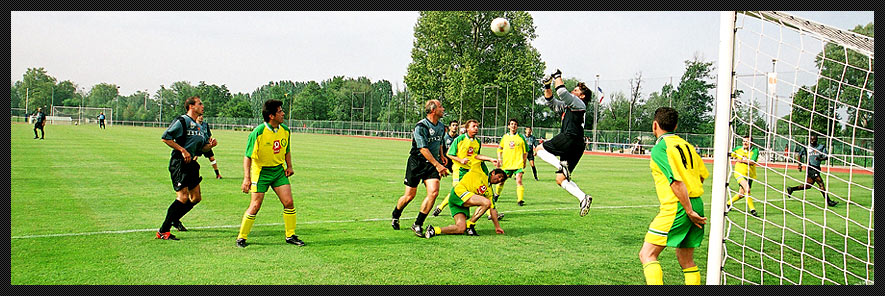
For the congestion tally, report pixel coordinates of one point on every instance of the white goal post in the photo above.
(83, 115)
(782, 81)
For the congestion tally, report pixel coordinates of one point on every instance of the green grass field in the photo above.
(86, 203)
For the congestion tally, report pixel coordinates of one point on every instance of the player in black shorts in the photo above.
(451, 134)
(188, 141)
(425, 164)
(532, 142)
(209, 154)
(569, 143)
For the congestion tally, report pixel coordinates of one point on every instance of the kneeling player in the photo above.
(472, 191)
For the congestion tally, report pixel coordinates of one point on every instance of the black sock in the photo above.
(420, 219)
(174, 209)
(187, 208)
(535, 171)
(216, 173)
(396, 213)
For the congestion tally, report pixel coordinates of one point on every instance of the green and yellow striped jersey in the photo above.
(674, 159)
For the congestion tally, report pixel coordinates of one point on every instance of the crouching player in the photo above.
(474, 190)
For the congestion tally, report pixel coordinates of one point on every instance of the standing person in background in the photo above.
(101, 121)
(39, 122)
(451, 134)
(209, 154)
(512, 154)
(531, 142)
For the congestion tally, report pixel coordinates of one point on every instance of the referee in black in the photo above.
(188, 140)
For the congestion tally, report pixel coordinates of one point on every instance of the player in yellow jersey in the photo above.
(679, 173)
(512, 154)
(744, 173)
(266, 151)
(472, 191)
(464, 153)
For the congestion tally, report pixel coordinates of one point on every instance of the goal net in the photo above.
(83, 115)
(791, 80)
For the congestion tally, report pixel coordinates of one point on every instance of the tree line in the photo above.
(456, 59)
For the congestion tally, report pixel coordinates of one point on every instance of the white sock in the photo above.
(572, 188)
(549, 158)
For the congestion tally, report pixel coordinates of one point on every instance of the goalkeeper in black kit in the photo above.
(569, 143)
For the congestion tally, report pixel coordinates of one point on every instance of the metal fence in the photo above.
(607, 141)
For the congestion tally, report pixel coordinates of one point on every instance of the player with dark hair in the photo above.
(472, 191)
(816, 154)
(187, 140)
(679, 173)
(531, 142)
(512, 154)
(569, 143)
(266, 151)
(210, 154)
(451, 134)
(424, 164)
(465, 155)
(39, 123)
(744, 173)
(101, 121)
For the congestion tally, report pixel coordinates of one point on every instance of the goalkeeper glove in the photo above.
(557, 74)
(547, 81)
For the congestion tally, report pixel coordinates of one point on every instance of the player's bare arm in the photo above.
(289, 170)
(247, 179)
(682, 194)
(184, 154)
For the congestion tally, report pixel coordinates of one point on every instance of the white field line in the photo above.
(307, 222)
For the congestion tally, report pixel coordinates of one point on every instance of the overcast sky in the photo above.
(244, 50)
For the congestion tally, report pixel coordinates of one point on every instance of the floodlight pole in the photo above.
(595, 112)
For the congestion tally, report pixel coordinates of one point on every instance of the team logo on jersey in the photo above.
(284, 142)
(277, 147)
(481, 190)
(469, 151)
(512, 144)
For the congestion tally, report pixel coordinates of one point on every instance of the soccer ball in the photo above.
(500, 26)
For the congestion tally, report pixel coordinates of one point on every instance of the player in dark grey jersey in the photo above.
(816, 154)
(187, 139)
(39, 123)
(569, 143)
(425, 164)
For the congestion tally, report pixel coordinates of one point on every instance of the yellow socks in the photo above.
(738, 196)
(692, 276)
(653, 273)
(520, 192)
(289, 221)
(246, 226)
(750, 203)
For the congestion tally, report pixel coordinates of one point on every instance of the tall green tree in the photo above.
(37, 89)
(456, 57)
(846, 77)
(694, 97)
